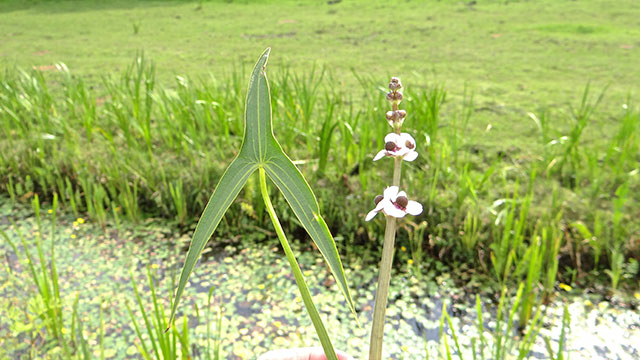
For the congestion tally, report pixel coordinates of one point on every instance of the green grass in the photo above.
(530, 177)
(529, 139)
(514, 55)
(141, 150)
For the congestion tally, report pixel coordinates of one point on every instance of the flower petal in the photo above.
(401, 193)
(410, 156)
(404, 137)
(380, 205)
(414, 208)
(371, 215)
(402, 152)
(391, 210)
(390, 193)
(392, 137)
(380, 155)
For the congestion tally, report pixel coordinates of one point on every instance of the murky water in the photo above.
(261, 307)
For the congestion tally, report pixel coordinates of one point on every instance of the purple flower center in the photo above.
(401, 203)
(391, 146)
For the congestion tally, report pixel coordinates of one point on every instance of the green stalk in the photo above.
(297, 273)
(382, 292)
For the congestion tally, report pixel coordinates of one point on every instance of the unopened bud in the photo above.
(390, 146)
(377, 199)
(395, 84)
(402, 114)
(391, 115)
(394, 96)
(390, 96)
(402, 201)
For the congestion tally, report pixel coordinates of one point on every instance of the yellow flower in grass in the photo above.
(50, 211)
(403, 248)
(80, 220)
(565, 287)
(269, 276)
(261, 286)
(637, 295)
(410, 262)
(73, 236)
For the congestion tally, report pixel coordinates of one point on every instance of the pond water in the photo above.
(261, 309)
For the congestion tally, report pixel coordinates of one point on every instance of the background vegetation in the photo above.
(525, 114)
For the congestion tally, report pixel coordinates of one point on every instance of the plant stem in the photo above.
(297, 273)
(382, 292)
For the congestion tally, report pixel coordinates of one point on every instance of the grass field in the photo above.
(515, 56)
(525, 113)
(491, 80)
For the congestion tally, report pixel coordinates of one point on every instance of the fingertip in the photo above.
(343, 356)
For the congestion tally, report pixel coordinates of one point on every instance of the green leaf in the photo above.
(304, 204)
(260, 149)
(321, 330)
(258, 136)
(225, 192)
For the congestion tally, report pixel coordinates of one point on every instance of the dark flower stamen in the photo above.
(390, 146)
(377, 199)
(401, 202)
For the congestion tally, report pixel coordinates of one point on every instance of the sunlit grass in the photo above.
(137, 149)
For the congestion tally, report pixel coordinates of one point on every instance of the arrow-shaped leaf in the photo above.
(301, 199)
(260, 150)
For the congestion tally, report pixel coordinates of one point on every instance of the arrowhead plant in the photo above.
(260, 151)
(393, 204)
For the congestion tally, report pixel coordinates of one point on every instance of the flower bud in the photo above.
(390, 96)
(402, 114)
(377, 199)
(392, 115)
(402, 201)
(395, 84)
(394, 96)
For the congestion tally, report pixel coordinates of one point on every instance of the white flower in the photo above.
(402, 145)
(395, 204)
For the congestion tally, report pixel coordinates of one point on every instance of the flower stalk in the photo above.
(382, 292)
(394, 204)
